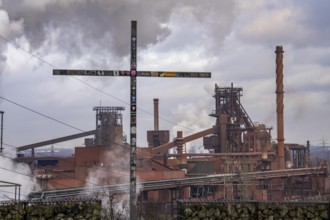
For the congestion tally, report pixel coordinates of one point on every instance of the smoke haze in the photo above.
(18, 173)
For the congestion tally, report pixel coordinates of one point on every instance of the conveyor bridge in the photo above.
(177, 183)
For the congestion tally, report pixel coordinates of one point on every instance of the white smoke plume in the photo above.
(17, 173)
(9, 29)
(193, 118)
(113, 169)
(91, 26)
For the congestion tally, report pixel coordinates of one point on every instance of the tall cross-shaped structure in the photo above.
(133, 74)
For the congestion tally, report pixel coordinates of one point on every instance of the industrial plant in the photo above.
(243, 162)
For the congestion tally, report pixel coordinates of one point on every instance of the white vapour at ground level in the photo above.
(112, 169)
(17, 173)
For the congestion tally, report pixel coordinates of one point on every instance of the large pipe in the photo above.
(1, 132)
(156, 115)
(280, 106)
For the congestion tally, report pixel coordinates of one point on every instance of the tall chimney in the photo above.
(280, 106)
(156, 115)
(1, 132)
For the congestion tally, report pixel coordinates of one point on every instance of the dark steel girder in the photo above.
(56, 140)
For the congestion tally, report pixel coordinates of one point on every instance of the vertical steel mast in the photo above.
(133, 208)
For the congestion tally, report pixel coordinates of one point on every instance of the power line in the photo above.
(70, 162)
(46, 116)
(24, 174)
(85, 83)
(32, 177)
(51, 118)
(7, 198)
(25, 51)
(70, 186)
(56, 120)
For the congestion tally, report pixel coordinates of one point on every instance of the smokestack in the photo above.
(156, 115)
(1, 132)
(280, 106)
(308, 155)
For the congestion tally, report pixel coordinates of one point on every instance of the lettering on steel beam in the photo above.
(124, 73)
(143, 73)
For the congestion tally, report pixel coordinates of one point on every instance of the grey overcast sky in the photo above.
(233, 39)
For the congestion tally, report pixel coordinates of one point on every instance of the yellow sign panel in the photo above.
(170, 74)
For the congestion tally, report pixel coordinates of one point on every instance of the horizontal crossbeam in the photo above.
(128, 73)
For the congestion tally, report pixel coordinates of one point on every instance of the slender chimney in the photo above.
(308, 155)
(1, 132)
(280, 106)
(156, 115)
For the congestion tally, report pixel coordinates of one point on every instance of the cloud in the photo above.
(235, 40)
(89, 24)
(8, 28)
(101, 27)
(272, 24)
(286, 23)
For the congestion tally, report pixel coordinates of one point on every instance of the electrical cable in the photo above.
(61, 174)
(87, 84)
(25, 51)
(56, 120)
(79, 80)
(51, 118)
(13, 159)
(7, 198)
(34, 111)
(32, 176)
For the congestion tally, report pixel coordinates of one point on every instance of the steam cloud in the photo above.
(9, 29)
(80, 26)
(23, 176)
